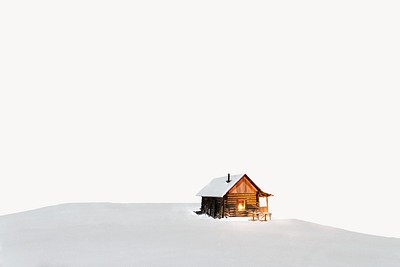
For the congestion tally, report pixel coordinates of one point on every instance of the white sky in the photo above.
(146, 101)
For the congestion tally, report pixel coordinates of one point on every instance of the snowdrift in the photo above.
(103, 234)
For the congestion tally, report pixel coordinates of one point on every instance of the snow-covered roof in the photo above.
(218, 187)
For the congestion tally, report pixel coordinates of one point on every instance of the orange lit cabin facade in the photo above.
(234, 196)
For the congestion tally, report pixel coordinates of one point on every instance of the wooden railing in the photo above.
(261, 216)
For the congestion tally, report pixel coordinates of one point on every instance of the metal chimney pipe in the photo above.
(229, 178)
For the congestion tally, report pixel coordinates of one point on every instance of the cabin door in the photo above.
(263, 204)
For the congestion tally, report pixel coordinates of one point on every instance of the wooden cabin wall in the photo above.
(231, 204)
(243, 190)
(243, 186)
(212, 206)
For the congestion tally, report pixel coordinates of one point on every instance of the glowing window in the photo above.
(241, 204)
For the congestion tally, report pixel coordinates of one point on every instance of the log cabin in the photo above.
(234, 196)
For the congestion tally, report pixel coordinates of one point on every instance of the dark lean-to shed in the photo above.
(234, 196)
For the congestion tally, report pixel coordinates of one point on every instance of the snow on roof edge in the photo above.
(218, 187)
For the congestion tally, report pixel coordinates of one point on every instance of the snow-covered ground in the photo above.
(103, 234)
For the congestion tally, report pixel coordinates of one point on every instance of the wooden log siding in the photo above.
(212, 206)
(231, 204)
(243, 186)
